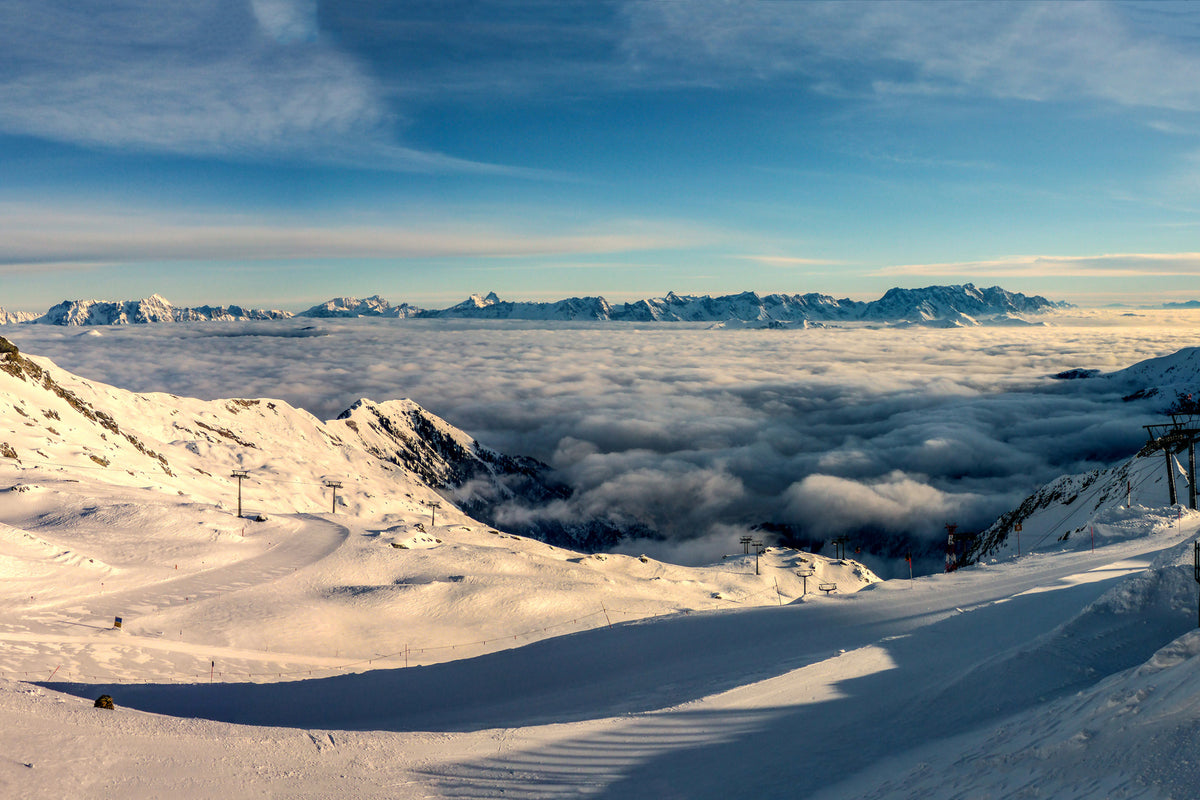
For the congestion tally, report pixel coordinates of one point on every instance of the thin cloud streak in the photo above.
(33, 238)
(790, 261)
(1113, 265)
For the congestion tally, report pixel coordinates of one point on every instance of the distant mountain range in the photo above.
(135, 312)
(941, 306)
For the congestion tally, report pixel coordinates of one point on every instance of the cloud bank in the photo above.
(699, 434)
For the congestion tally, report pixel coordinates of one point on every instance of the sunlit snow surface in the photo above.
(1067, 673)
(694, 431)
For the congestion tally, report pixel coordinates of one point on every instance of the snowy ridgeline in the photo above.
(941, 306)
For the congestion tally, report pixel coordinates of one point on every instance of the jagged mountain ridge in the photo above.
(960, 305)
(16, 317)
(373, 306)
(152, 309)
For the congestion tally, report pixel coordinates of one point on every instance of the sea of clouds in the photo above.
(698, 433)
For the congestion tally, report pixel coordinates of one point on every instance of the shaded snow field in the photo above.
(1070, 674)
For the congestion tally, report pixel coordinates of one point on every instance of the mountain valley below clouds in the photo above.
(575, 562)
(952, 306)
(638, 399)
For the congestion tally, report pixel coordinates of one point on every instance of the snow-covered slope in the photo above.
(384, 454)
(1166, 375)
(1078, 510)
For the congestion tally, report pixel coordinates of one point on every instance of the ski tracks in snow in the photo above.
(77, 625)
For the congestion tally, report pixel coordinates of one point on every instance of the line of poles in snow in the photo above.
(240, 474)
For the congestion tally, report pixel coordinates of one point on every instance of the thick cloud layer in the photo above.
(697, 433)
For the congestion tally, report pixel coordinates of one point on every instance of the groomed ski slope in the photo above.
(1022, 678)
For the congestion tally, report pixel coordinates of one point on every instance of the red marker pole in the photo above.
(1093, 527)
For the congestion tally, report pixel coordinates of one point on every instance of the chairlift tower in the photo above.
(839, 547)
(804, 573)
(334, 485)
(1171, 438)
(239, 474)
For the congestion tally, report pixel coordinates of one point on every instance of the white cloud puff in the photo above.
(829, 505)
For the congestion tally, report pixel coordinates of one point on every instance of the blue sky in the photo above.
(279, 152)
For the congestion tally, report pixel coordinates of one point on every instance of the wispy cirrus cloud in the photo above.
(1128, 54)
(789, 261)
(208, 78)
(37, 238)
(1112, 265)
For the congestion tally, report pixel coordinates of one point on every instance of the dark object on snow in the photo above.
(104, 701)
(260, 518)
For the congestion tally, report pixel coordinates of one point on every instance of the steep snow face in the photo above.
(400, 432)
(373, 306)
(152, 309)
